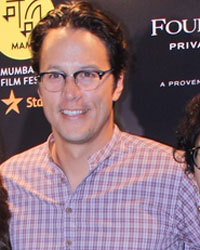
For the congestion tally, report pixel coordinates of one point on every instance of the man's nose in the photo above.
(71, 89)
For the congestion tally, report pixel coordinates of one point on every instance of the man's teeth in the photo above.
(72, 112)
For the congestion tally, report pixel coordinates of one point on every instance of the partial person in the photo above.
(4, 218)
(92, 186)
(188, 138)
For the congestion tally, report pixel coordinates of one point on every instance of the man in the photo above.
(91, 186)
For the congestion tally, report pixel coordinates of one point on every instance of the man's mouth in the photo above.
(73, 112)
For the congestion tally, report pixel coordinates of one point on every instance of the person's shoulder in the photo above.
(154, 158)
(132, 141)
(27, 157)
(148, 153)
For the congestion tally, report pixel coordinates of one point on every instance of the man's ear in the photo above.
(38, 91)
(118, 87)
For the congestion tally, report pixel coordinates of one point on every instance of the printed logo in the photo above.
(12, 103)
(17, 19)
(175, 27)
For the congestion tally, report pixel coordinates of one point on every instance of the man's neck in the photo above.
(73, 165)
(73, 158)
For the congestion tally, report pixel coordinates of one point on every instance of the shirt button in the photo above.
(198, 208)
(63, 180)
(69, 210)
(68, 243)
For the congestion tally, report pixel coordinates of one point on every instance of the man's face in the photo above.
(78, 116)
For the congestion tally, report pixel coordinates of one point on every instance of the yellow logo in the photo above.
(12, 102)
(17, 19)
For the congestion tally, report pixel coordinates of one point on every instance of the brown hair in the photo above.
(81, 14)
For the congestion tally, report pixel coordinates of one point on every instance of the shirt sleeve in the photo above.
(187, 215)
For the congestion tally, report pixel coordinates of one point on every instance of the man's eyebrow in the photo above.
(89, 67)
(54, 66)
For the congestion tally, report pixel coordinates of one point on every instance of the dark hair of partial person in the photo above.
(188, 132)
(4, 219)
(82, 14)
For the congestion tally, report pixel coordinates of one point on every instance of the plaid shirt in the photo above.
(134, 197)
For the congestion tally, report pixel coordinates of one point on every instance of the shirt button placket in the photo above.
(69, 213)
(70, 225)
(68, 209)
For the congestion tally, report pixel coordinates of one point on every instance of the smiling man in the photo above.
(91, 186)
(78, 88)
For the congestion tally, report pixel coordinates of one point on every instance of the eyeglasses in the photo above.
(54, 81)
(196, 156)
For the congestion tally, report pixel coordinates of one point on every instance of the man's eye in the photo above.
(88, 74)
(54, 76)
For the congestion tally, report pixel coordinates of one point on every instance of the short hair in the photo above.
(82, 14)
(189, 130)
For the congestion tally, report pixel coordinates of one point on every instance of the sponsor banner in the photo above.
(17, 19)
(20, 105)
(164, 74)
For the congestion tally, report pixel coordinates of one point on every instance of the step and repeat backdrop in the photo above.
(164, 71)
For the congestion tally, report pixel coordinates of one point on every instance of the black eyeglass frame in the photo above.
(100, 73)
(193, 152)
